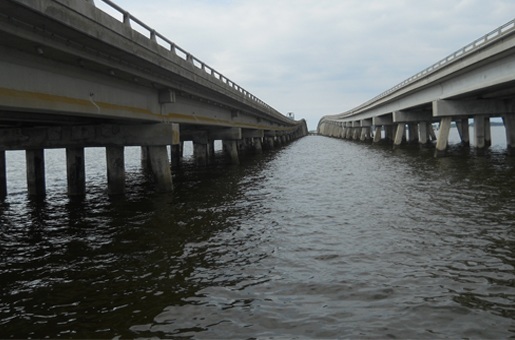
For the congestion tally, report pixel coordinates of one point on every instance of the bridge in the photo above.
(73, 76)
(476, 82)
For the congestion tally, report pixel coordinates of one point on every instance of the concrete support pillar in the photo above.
(443, 136)
(479, 131)
(377, 134)
(200, 147)
(200, 153)
(160, 168)
(115, 161)
(258, 146)
(268, 143)
(509, 125)
(423, 132)
(463, 130)
(145, 161)
(399, 134)
(176, 146)
(488, 132)
(76, 173)
(3, 177)
(364, 134)
(413, 133)
(35, 172)
(231, 150)
(356, 133)
(35, 159)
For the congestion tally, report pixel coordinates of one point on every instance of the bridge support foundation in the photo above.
(443, 136)
(160, 167)
(115, 161)
(399, 134)
(377, 134)
(423, 133)
(231, 149)
(482, 131)
(258, 145)
(75, 168)
(35, 162)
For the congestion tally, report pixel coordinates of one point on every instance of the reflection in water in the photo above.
(354, 241)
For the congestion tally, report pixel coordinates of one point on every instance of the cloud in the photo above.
(318, 57)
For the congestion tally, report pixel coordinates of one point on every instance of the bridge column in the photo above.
(176, 147)
(3, 177)
(200, 148)
(35, 159)
(115, 161)
(443, 136)
(488, 132)
(377, 134)
(258, 146)
(400, 131)
(423, 132)
(160, 167)
(76, 173)
(480, 131)
(509, 126)
(231, 149)
(463, 130)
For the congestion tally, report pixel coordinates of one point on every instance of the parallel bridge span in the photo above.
(477, 81)
(72, 76)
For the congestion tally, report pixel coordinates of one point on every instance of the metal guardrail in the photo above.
(182, 53)
(453, 57)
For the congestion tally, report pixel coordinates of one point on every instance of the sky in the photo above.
(320, 57)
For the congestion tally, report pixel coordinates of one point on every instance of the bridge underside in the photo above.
(74, 77)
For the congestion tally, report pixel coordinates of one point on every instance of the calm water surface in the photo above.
(323, 238)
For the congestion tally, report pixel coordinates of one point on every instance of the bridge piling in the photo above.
(75, 168)
(35, 167)
(231, 149)
(400, 131)
(443, 136)
(115, 161)
(423, 133)
(160, 168)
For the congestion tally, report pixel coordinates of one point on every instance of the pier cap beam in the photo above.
(406, 116)
(469, 107)
(383, 120)
(366, 122)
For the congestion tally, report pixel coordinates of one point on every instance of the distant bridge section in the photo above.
(73, 76)
(477, 81)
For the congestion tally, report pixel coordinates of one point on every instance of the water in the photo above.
(321, 239)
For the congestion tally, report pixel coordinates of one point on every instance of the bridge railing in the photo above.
(182, 53)
(453, 57)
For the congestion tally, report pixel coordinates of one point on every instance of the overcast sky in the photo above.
(319, 57)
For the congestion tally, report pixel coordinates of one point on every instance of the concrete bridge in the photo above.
(476, 82)
(73, 76)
